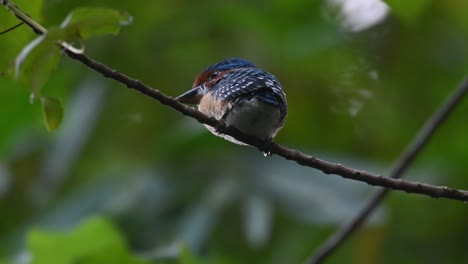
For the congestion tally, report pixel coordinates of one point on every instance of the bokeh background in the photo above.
(361, 77)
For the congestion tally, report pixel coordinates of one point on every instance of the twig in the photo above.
(10, 29)
(273, 148)
(25, 18)
(397, 170)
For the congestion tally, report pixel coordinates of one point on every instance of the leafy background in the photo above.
(124, 179)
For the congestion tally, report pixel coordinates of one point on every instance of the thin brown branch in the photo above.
(273, 148)
(402, 163)
(270, 147)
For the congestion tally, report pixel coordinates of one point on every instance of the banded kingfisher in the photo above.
(242, 95)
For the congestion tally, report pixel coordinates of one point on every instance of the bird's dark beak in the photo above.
(192, 96)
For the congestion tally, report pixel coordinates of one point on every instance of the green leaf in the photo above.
(87, 22)
(94, 241)
(13, 41)
(38, 60)
(53, 112)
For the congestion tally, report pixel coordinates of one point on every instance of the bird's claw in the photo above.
(221, 128)
(266, 146)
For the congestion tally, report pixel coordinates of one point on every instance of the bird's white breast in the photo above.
(254, 118)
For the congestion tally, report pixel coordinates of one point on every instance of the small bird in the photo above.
(242, 95)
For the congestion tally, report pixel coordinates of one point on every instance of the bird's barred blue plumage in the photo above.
(237, 92)
(230, 64)
(246, 83)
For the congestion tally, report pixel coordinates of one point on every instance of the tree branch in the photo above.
(269, 147)
(397, 170)
(273, 148)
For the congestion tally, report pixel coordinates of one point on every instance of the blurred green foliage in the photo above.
(95, 241)
(356, 96)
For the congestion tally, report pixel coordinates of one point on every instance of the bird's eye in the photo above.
(214, 74)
